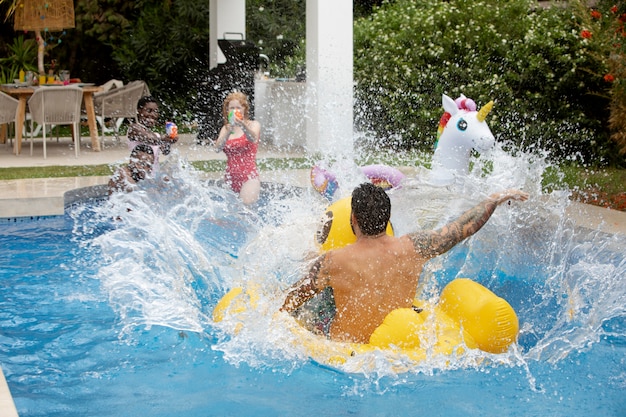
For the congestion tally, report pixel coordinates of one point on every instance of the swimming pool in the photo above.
(105, 317)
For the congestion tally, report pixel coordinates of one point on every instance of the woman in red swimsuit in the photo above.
(239, 139)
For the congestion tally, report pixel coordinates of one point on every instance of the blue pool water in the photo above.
(105, 317)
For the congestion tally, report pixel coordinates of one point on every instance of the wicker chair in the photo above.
(57, 106)
(8, 109)
(119, 104)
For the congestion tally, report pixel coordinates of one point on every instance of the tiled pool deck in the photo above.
(44, 197)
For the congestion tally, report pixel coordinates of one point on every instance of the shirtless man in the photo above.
(139, 166)
(379, 273)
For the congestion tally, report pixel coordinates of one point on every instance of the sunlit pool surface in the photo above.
(103, 317)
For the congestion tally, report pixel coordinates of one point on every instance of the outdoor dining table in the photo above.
(24, 92)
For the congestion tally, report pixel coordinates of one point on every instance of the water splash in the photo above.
(185, 242)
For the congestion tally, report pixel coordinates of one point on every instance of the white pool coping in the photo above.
(7, 406)
(45, 197)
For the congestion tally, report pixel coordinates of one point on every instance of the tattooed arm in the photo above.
(435, 242)
(307, 287)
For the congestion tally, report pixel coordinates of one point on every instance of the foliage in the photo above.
(86, 50)
(167, 46)
(278, 29)
(363, 8)
(548, 81)
(603, 38)
(214, 165)
(407, 53)
(104, 22)
(601, 187)
(22, 55)
(15, 173)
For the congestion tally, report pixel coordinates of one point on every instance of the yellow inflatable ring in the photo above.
(467, 315)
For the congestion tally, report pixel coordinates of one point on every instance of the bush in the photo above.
(278, 29)
(167, 46)
(603, 36)
(22, 56)
(528, 60)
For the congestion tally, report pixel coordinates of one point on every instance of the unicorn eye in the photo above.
(461, 125)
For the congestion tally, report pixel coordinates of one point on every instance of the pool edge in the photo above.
(51, 196)
(7, 406)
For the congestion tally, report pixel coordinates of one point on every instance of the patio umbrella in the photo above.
(46, 16)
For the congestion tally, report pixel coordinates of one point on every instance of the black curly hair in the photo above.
(371, 208)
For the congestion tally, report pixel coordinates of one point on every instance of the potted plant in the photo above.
(23, 56)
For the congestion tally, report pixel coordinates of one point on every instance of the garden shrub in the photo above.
(528, 60)
(277, 28)
(167, 47)
(603, 35)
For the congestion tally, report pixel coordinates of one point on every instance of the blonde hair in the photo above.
(242, 98)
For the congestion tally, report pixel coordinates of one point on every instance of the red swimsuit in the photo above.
(241, 161)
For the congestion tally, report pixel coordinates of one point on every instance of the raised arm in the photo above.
(432, 243)
(220, 142)
(307, 287)
(139, 133)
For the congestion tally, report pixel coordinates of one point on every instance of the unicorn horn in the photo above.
(484, 111)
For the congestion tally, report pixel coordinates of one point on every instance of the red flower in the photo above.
(585, 34)
(614, 9)
(596, 14)
(609, 78)
(622, 18)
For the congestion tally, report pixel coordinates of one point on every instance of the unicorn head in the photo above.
(461, 129)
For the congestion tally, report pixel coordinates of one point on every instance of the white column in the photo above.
(329, 95)
(225, 16)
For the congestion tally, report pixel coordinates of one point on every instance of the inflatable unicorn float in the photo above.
(462, 128)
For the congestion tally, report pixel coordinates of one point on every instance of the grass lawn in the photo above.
(106, 170)
(604, 187)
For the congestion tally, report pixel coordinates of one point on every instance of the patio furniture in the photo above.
(8, 111)
(57, 106)
(118, 103)
(23, 93)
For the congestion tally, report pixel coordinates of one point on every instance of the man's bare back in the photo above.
(370, 278)
(379, 273)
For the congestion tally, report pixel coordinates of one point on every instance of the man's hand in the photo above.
(507, 195)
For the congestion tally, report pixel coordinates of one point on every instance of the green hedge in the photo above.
(529, 60)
